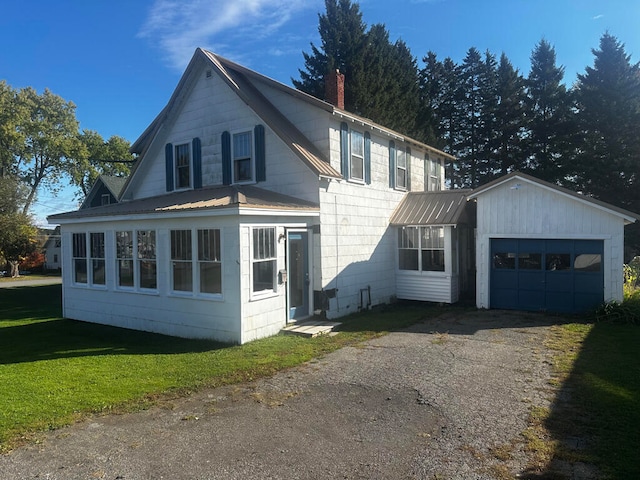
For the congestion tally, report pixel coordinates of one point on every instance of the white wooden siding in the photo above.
(440, 288)
(520, 209)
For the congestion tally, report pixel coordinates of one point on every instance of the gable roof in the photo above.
(446, 207)
(236, 78)
(114, 184)
(629, 217)
(204, 199)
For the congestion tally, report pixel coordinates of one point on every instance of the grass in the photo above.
(597, 371)
(54, 371)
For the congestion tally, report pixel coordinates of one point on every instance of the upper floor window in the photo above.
(242, 157)
(399, 167)
(433, 171)
(355, 154)
(105, 199)
(182, 166)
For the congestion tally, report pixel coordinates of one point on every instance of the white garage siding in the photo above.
(521, 207)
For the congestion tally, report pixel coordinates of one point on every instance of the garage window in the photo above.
(558, 261)
(587, 262)
(504, 260)
(530, 261)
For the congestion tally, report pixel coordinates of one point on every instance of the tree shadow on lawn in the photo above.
(31, 329)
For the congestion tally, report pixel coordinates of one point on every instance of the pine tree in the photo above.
(608, 116)
(381, 77)
(549, 126)
(509, 118)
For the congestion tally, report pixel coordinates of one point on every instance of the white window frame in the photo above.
(419, 243)
(266, 257)
(181, 243)
(354, 156)
(401, 152)
(137, 259)
(433, 170)
(92, 259)
(176, 167)
(251, 158)
(196, 261)
(79, 253)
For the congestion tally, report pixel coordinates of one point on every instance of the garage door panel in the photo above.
(550, 275)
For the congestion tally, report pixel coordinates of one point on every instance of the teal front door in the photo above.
(298, 281)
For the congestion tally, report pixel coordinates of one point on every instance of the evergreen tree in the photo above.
(608, 116)
(469, 143)
(548, 108)
(509, 119)
(381, 78)
(342, 36)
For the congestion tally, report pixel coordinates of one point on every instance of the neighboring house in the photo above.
(52, 251)
(105, 191)
(253, 205)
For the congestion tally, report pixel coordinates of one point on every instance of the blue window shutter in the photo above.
(344, 150)
(392, 164)
(226, 158)
(408, 169)
(168, 160)
(261, 167)
(367, 158)
(197, 163)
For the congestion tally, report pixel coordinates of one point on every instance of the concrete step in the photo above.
(311, 328)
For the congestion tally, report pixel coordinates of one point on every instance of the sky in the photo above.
(119, 61)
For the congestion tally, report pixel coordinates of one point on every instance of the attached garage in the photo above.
(540, 247)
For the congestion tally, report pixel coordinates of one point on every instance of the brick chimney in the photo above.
(334, 89)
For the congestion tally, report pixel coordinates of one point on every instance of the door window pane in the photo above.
(587, 262)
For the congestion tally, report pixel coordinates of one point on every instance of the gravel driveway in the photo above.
(434, 402)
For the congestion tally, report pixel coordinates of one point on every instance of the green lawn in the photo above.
(54, 371)
(598, 367)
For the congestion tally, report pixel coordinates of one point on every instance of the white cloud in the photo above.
(598, 17)
(178, 27)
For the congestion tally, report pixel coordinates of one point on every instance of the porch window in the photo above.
(80, 257)
(264, 259)
(421, 249)
(432, 248)
(209, 264)
(124, 258)
(97, 259)
(147, 271)
(181, 260)
(183, 166)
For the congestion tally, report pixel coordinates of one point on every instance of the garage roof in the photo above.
(447, 207)
(629, 217)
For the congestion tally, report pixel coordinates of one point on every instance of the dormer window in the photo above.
(242, 155)
(183, 166)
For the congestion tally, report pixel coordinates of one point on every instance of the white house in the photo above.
(253, 205)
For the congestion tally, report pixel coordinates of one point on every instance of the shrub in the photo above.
(627, 312)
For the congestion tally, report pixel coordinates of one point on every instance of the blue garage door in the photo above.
(546, 275)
